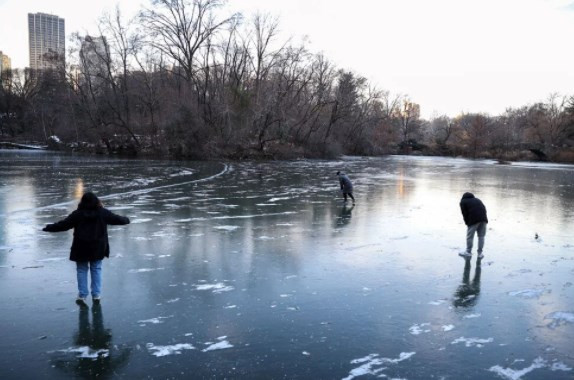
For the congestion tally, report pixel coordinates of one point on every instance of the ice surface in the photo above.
(356, 279)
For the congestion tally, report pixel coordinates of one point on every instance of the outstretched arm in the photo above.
(62, 225)
(114, 219)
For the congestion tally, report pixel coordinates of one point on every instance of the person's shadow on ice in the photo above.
(95, 356)
(345, 215)
(466, 294)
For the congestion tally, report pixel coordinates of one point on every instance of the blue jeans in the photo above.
(478, 228)
(95, 269)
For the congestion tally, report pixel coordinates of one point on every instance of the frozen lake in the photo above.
(257, 270)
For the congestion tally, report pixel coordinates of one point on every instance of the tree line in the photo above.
(185, 78)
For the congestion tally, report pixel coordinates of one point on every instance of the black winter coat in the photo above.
(90, 232)
(473, 210)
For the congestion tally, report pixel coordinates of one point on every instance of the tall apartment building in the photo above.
(47, 37)
(94, 58)
(5, 67)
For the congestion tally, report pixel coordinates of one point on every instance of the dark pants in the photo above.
(349, 194)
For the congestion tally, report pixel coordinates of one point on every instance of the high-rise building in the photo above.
(94, 60)
(5, 69)
(47, 38)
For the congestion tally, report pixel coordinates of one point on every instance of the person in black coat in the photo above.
(90, 244)
(474, 214)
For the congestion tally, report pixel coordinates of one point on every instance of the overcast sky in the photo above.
(449, 56)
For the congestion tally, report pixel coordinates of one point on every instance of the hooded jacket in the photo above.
(473, 210)
(90, 232)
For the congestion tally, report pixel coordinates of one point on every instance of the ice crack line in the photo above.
(133, 192)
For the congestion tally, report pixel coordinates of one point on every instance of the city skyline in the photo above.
(446, 55)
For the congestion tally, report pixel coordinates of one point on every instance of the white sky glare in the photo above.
(449, 56)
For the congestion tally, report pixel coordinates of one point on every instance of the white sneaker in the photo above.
(480, 255)
(465, 254)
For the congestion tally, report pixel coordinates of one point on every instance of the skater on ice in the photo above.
(346, 186)
(474, 214)
(90, 244)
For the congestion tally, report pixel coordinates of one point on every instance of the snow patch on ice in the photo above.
(218, 346)
(528, 293)
(418, 329)
(226, 228)
(143, 270)
(168, 350)
(447, 327)
(469, 342)
(219, 287)
(87, 352)
(469, 316)
(516, 374)
(559, 318)
(371, 362)
(559, 366)
(153, 321)
(437, 302)
(271, 200)
(138, 221)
